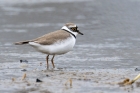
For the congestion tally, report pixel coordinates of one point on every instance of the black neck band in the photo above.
(70, 33)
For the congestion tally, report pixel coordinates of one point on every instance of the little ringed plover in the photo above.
(55, 43)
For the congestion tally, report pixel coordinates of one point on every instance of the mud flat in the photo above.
(68, 81)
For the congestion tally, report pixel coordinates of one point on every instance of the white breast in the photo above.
(60, 47)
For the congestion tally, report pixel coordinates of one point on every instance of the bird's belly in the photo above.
(58, 48)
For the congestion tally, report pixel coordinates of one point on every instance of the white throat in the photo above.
(65, 28)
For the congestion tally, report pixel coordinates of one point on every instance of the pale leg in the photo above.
(47, 60)
(52, 61)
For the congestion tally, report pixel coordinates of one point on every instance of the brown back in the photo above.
(52, 37)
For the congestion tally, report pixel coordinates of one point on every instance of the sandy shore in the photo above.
(69, 81)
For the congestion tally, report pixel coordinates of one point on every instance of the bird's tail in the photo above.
(21, 42)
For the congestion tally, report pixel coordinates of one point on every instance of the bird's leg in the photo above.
(47, 60)
(52, 61)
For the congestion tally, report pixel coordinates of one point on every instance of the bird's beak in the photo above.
(80, 32)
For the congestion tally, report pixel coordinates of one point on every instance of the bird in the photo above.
(55, 43)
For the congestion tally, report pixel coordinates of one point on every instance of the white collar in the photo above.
(66, 28)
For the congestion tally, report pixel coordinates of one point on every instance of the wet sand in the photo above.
(106, 54)
(57, 81)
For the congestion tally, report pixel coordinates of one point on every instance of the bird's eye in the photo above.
(74, 29)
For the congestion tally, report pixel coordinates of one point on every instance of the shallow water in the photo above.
(110, 41)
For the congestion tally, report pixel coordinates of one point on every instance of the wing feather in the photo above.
(52, 37)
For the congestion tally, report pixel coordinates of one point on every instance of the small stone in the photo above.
(47, 75)
(23, 70)
(13, 79)
(137, 69)
(40, 63)
(23, 61)
(37, 80)
(28, 84)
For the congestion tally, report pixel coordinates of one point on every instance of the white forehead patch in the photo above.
(72, 26)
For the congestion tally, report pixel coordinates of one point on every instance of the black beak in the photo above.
(80, 32)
